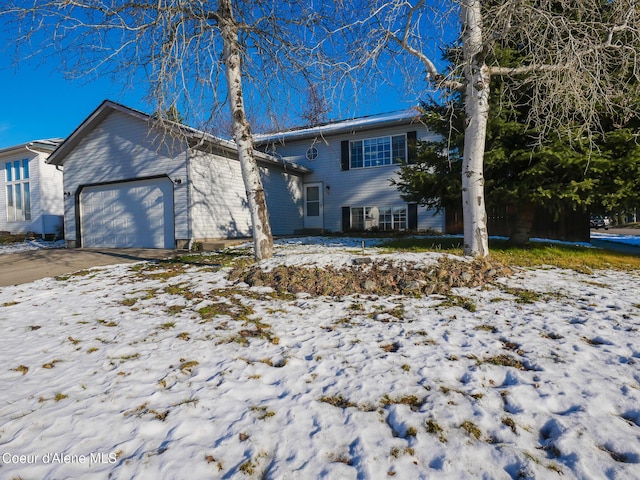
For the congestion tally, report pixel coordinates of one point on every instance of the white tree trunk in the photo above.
(262, 238)
(476, 242)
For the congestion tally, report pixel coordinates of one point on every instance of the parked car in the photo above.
(599, 221)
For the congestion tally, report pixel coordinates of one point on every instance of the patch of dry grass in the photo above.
(535, 254)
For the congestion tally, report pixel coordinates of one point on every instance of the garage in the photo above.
(132, 214)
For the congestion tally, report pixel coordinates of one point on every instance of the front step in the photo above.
(310, 231)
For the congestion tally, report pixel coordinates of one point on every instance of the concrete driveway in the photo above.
(24, 267)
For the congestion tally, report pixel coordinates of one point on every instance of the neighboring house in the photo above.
(353, 162)
(129, 182)
(31, 198)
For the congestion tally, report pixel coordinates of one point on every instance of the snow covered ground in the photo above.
(159, 370)
(40, 244)
(29, 245)
(618, 238)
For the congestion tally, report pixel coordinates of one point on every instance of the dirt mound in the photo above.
(365, 275)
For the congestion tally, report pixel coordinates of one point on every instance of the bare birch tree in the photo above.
(229, 30)
(192, 54)
(580, 60)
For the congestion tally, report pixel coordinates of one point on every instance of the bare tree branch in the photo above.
(579, 60)
(194, 56)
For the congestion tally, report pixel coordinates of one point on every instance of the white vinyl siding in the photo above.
(208, 190)
(218, 200)
(49, 189)
(358, 186)
(39, 213)
(47, 198)
(121, 148)
(284, 194)
(224, 214)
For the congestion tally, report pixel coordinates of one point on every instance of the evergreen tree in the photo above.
(522, 171)
(579, 60)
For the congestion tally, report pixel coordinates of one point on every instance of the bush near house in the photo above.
(8, 237)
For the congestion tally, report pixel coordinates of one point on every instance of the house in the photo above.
(31, 199)
(349, 187)
(352, 163)
(131, 182)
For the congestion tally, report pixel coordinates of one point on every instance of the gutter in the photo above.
(353, 125)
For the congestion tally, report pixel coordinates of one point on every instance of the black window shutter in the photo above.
(412, 146)
(412, 216)
(346, 219)
(344, 152)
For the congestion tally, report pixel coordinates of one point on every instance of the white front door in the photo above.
(313, 210)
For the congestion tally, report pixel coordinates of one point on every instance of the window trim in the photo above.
(312, 153)
(392, 161)
(18, 190)
(390, 210)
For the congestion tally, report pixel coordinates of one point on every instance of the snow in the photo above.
(352, 242)
(113, 372)
(339, 126)
(28, 245)
(617, 238)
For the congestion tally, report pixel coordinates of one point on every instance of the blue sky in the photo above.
(38, 102)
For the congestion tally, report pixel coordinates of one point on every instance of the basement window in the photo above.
(379, 218)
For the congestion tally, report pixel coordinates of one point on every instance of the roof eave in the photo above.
(344, 126)
(106, 107)
(14, 148)
(195, 137)
(261, 157)
(36, 146)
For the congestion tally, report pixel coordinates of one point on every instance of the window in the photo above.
(399, 218)
(357, 155)
(18, 190)
(386, 219)
(312, 153)
(357, 218)
(376, 152)
(313, 201)
(379, 218)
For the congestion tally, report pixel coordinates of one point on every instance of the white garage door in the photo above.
(129, 214)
